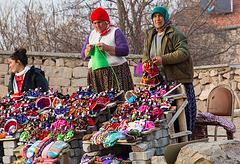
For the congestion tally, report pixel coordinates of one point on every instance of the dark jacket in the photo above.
(33, 79)
(176, 59)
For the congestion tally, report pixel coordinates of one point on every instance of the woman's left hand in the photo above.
(157, 60)
(102, 46)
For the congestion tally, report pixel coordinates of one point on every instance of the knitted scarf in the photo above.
(161, 29)
(23, 72)
(108, 29)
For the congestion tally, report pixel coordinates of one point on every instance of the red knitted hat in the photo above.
(100, 14)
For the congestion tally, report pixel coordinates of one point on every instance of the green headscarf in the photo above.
(162, 10)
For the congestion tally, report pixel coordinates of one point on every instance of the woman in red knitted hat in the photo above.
(106, 47)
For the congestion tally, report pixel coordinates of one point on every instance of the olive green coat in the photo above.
(176, 59)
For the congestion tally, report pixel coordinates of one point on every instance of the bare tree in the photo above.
(63, 27)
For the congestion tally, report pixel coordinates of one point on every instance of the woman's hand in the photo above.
(89, 48)
(144, 67)
(157, 61)
(102, 46)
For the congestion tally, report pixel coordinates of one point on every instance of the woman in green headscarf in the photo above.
(167, 47)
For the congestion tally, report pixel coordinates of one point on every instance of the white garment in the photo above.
(108, 39)
(23, 72)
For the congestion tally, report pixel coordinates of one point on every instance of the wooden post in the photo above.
(171, 129)
(182, 118)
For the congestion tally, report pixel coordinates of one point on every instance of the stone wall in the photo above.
(206, 77)
(66, 72)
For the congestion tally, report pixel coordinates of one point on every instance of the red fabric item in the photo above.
(157, 113)
(152, 69)
(100, 14)
(19, 81)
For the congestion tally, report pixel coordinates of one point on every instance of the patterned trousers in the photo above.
(191, 108)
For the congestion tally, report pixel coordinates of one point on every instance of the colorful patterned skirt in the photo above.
(104, 78)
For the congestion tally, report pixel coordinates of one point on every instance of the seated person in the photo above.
(24, 78)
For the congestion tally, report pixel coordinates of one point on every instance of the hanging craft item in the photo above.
(151, 74)
(98, 58)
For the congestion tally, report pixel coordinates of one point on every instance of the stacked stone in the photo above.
(76, 152)
(95, 150)
(207, 77)
(8, 146)
(153, 144)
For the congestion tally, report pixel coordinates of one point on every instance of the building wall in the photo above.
(66, 72)
(223, 20)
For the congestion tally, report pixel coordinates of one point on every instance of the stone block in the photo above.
(160, 151)
(197, 90)
(195, 82)
(59, 62)
(49, 62)
(205, 80)
(59, 81)
(37, 61)
(3, 91)
(80, 143)
(163, 141)
(78, 152)
(5, 60)
(141, 162)
(74, 144)
(148, 137)
(71, 153)
(73, 63)
(8, 152)
(203, 75)
(165, 133)
(6, 80)
(158, 160)
(72, 89)
(49, 70)
(80, 72)
(88, 147)
(2, 80)
(74, 160)
(8, 159)
(3, 69)
(63, 72)
(79, 82)
(142, 156)
(152, 144)
(10, 144)
(141, 147)
(213, 73)
(157, 133)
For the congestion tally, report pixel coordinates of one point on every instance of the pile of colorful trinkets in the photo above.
(135, 116)
(41, 113)
(50, 117)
